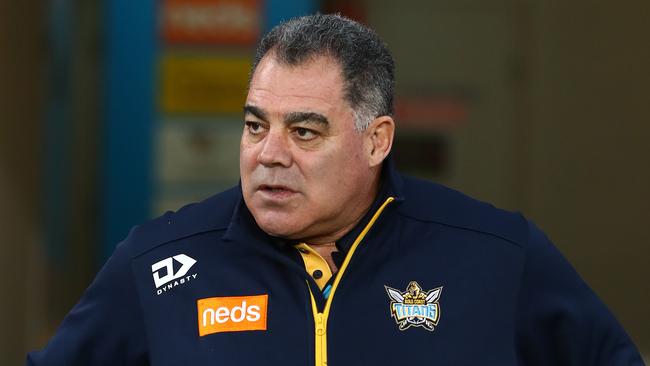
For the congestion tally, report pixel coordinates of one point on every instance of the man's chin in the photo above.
(279, 231)
(277, 224)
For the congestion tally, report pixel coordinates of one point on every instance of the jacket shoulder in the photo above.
(211, 214)
(432, 202)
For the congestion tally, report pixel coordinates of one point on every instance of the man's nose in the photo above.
(275, 150)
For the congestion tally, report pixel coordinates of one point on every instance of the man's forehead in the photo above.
(280, 91)
(286, 101)
(311, 78)
(316, 59)
(285, 93)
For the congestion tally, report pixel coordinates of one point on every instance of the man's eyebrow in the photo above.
(257, 112)
(295, 117)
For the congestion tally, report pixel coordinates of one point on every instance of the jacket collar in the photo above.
(390, 186)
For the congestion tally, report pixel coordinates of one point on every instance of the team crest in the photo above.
(415, 307)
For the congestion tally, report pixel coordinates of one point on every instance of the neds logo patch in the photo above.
(232, 314)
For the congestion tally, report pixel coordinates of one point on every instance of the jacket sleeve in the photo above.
(560, 320)
(106, 326)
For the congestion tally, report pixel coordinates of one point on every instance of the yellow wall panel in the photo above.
(203, 85)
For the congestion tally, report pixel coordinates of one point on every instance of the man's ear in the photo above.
(379, 137)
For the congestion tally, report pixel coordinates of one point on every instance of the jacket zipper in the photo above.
(320, 318)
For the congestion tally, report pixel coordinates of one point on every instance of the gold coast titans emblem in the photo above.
(415, 307)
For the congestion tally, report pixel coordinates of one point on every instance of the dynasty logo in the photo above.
(164, 273)
(415, 307)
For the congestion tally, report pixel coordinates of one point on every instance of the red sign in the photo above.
(211, 21)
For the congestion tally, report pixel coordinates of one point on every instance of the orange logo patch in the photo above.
(231, 314)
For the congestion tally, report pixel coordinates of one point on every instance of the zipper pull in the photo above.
(321, 340)
(320, 324)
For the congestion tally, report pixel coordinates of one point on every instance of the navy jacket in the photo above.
(429, 277)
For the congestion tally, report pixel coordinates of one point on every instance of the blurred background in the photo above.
(112, 112)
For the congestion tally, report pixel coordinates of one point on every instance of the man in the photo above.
(325, 255)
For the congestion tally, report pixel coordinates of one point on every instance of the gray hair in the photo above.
(367, 66)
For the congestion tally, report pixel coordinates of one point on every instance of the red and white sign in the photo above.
(211, 21)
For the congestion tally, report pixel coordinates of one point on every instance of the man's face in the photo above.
(304, 172)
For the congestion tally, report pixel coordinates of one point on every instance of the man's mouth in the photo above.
(275, 188)
(276, 191)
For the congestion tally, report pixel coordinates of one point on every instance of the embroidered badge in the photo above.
(415, 307)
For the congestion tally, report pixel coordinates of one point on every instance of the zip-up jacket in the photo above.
(428, 277)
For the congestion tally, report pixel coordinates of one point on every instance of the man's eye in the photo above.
(254, 128)
(305, 134)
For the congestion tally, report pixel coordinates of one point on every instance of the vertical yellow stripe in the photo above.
(320, 319)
